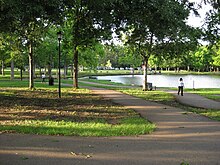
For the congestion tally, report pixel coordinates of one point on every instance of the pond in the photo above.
(190, 81)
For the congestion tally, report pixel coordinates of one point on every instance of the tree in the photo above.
(46, 51)
(203, 59)
(216, 55)
(89, 57)
(28, 19)
(3, 52)
(212, 28)
(90, 20)
(128, 57)
(154, 23)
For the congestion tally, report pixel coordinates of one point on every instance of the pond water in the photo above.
(190, 81)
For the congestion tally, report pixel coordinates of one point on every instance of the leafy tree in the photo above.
(216, 55)
(154, 23)
(128, 57)
(212, 22)
(28, 19)
(203, 59)
(89, 57)
(89, 20)
(4, 55)
(46, 51)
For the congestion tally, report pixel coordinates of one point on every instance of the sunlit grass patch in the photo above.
(213, 114)
(130, 126)
(158, 96)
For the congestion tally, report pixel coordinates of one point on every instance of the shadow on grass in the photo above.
(44, 104)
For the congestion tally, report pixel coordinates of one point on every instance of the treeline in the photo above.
(101, 56)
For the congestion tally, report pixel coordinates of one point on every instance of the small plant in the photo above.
(184, 163)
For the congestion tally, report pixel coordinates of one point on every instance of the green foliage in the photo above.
(90, 57)
(46, 51)
(155, 28)
(212, 29)
(184, 163)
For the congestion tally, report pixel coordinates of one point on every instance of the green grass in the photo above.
(157, 96)
(78, 112)
(213, 94)
(13, 83)
(212, 114)
(130, 126)
(4, 83)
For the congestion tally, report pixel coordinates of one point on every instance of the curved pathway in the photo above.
(190, 99)
(195, 100)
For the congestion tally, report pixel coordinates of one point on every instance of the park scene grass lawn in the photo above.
(78, 112)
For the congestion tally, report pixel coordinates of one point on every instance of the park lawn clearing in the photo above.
(77, 113)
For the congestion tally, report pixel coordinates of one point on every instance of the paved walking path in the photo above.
(179, 137)
(190, 99)
(196, 101)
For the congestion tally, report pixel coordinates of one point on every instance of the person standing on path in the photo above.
(180, 87)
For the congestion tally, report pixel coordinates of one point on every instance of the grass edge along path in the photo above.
(166, 98)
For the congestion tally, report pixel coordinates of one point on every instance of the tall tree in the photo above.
(154, 23)
(90, 20)
(212, 21)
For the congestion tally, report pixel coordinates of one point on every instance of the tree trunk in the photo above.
(21, 74)
(65, 69)
(49, 70)
(3, 68)
(146, 57)
(178, 69)
(40, 71)
(12, 70)
(145, 86)
(75, 76)
(31, 67)
(188, 68)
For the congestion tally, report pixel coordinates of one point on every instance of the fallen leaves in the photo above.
(86, 156)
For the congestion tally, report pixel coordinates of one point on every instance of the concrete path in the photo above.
(190, 99)
(196, 101)
(179, 137)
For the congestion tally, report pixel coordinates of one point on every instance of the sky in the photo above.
(196, 21)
